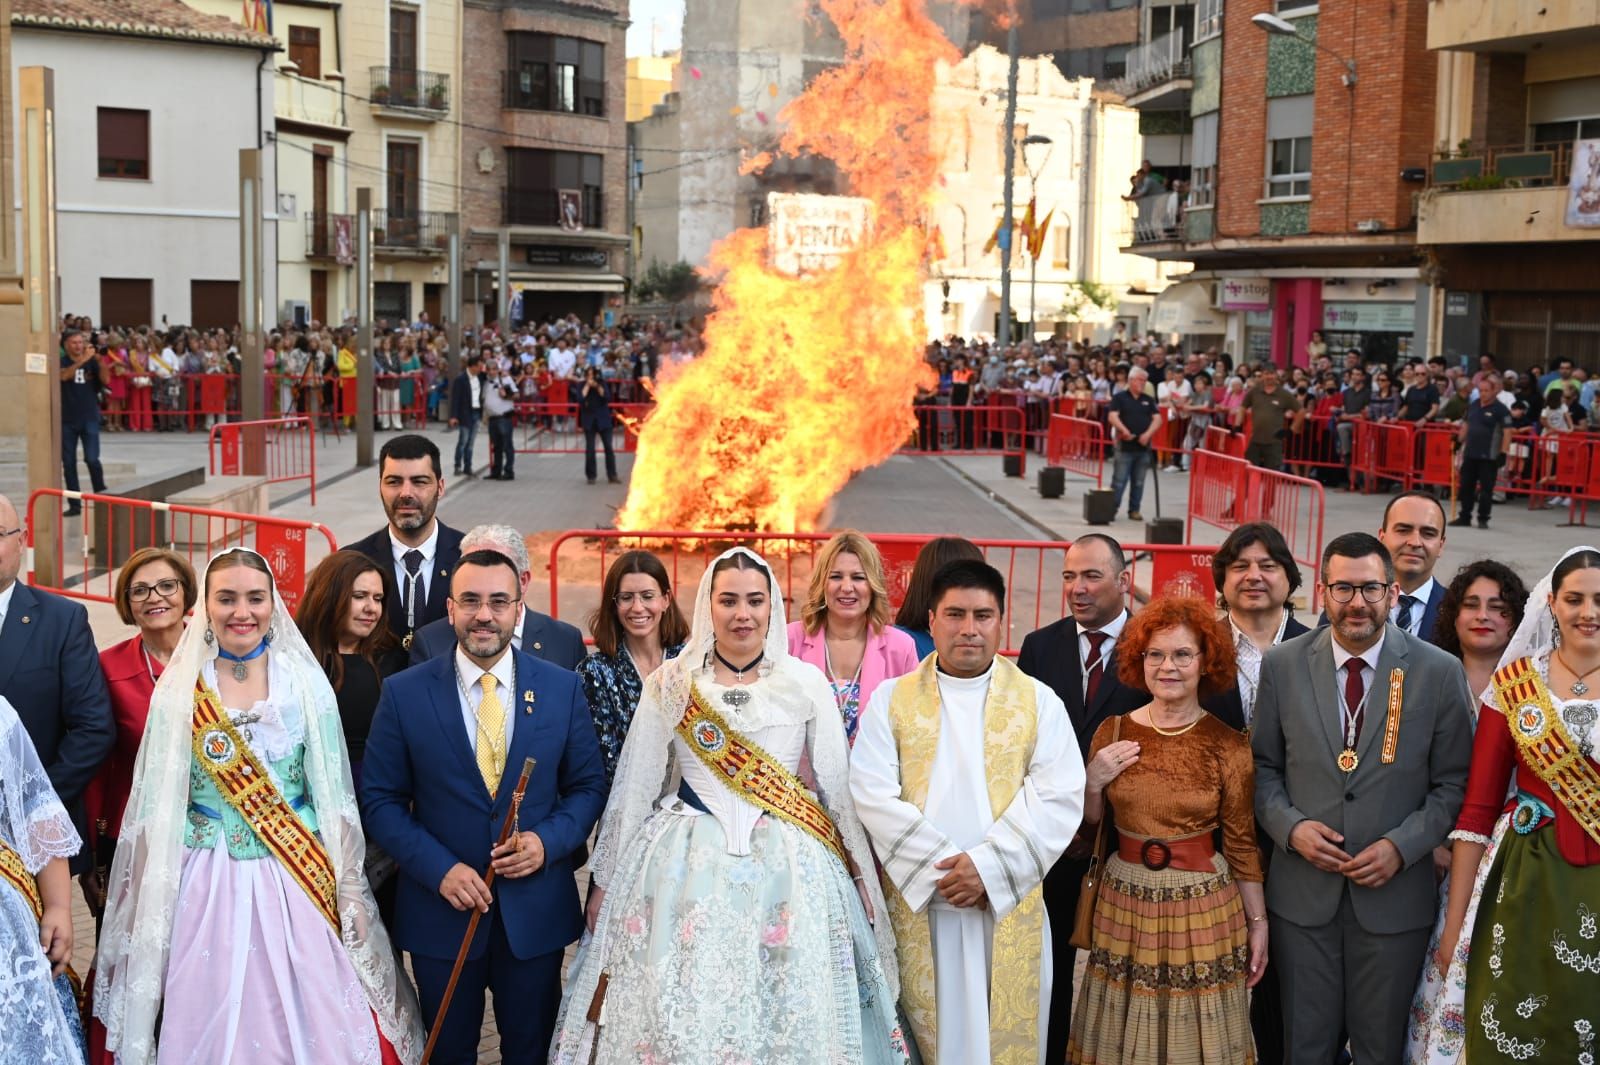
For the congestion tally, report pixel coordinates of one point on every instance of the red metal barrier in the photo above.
(1312, 446)
(1223, 442)
(1227, 492)
(1577, 473)
(288, 448)
(1436, 465)
(1079, 446)
(552, 428)
(198, 401)
(1382, 451)
(995, 429)
(578, 561)
(112, 528)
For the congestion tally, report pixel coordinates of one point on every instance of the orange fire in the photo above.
(807, 380)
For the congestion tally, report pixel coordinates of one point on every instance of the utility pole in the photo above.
(453, 301)
(364, 382)
(1003, 331)
(503, 288)
(252, 370)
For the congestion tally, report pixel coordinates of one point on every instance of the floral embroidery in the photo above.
(1496, 966)
(1585, 1032)
(1586, 921)
(612, 687)
(1530, 1005)
(1510, 1046)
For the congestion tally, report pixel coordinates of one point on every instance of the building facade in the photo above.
(1510, 219)
(147, 188)
(545, 157)
(1289, 168)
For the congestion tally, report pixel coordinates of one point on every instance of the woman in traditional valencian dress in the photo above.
(39, 1020)
(730, 929)
(242, 906)
(1525, 870)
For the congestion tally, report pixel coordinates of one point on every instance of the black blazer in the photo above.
(1050, 655)
(1430, 615)
(50, 673)
(1227, 705)
(379, 548)
(542, 636)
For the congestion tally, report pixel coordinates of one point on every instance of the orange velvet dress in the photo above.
(1165, 982)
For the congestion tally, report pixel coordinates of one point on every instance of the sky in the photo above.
(666, 19)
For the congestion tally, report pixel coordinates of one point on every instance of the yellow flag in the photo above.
(1027, 223)
(1040, 232)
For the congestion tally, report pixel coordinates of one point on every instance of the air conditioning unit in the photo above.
(1369, 225)
(297, 312)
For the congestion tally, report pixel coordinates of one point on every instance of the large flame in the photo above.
(807, 380)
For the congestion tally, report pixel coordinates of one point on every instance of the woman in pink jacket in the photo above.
(844, 625)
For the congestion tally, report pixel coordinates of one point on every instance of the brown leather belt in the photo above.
(1192, 855)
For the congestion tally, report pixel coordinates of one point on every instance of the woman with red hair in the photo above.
(1180, 926)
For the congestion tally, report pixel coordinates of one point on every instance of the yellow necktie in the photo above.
(491, 735)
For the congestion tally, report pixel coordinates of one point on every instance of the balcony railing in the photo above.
(1160, 220)
(402, 89)
(542, 207)
(413, 232)
(330, 236)
(1156, 61)
(1511, 166)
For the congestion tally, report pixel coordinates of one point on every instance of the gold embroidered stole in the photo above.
(1546, 746)
(13, 872)
(246, 786)
(753, 774)
(1010, 732)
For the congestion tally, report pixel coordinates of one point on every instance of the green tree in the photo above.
(667, 283)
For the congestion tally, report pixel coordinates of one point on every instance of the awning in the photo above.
(1186, 309)
(569, 282)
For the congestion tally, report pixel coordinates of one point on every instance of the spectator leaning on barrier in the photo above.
(1268, 406)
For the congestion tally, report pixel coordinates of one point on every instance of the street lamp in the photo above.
(1282, 27)
(1034, 140)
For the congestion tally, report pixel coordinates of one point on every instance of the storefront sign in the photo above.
(808, 233)
(1369, 317)
(1583, 195)
(1457, 305)
(1245, 293)
(547, 255)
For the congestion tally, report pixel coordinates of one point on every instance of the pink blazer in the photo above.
(890, 654)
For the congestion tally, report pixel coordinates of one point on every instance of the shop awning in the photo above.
(570, 282)
(1186, 309)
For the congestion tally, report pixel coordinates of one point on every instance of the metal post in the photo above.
(503, 290)
(1033, 298)
(1003, 332)
(42, 359)
(364, 377)
(252, 369)
(453, 300)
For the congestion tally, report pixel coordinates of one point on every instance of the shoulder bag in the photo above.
(1089, 893)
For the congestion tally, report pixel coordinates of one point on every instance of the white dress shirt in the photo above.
(429, 548)
(469, 689)
(1369, 671)
(1422, 595)
(5, 603)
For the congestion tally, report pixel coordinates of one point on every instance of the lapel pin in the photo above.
(527, 696)
(26, 619)
(537, 646)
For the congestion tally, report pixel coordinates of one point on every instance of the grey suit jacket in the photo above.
(1412, 802)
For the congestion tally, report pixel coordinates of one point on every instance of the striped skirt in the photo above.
(1165, 980)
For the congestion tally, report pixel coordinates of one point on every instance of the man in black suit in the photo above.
(1256, 574)
(50, 674)
(421, 549)
(536, 634)
(1076, 657)
(1413, 531)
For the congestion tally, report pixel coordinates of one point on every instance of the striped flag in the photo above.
(1040, 232)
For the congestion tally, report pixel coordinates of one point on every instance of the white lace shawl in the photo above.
(142, 894)
(1536, 637)
(32, 820)
(790, 692)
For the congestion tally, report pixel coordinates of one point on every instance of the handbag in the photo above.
(1089, 893)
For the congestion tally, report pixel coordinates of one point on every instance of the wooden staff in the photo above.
(477, 915)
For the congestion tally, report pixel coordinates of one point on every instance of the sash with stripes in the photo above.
(247, 787)
(1546, 745)
(13, 872)
(753, 774)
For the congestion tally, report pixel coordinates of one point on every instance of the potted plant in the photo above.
(380, 93)
(437, 98)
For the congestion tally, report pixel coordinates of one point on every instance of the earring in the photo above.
(1555, 636)
(209, 637)
(272, 630)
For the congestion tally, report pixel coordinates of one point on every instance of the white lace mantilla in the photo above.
(32, 819)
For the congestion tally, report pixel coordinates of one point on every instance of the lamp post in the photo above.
(1282, 27)
(1013, 53)
(1036, 140)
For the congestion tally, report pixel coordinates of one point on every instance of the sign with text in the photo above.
(1369, 317)
(1183, 574)
(1245, 293)
(807, 233)
(284, 548)
(549, 255)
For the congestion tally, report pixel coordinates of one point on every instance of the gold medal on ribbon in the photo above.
(1348, 760)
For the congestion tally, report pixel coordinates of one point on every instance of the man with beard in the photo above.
(1356, 782)
(421, 548)
(446, 748)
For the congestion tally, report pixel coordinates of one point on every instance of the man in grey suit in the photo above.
(536, 634)
(1362, 740)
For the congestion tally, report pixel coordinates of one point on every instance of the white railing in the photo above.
(309, 101)
(1155, 61)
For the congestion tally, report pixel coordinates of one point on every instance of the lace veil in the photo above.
(647, 771)
(1536, 636)
(32, 819)
(142, 894)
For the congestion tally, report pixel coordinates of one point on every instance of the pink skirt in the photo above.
(256, 975)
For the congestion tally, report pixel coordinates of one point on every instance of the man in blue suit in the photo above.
(1413, 532)
(466, 408)
(539, 635)
(50, 673)
(446, 747)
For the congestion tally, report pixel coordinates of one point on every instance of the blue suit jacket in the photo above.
(542, 636)
(423, 801)
(50, 673)
(461, 408)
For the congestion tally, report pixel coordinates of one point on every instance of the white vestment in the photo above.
(1012, 852)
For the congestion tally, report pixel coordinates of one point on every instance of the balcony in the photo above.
(330, 237)
(1515, 194)
(542, 207)
(306, 100)
(1510, 25)
(1155, 63)
(1159, 221)
(414, 94)
(412, 234)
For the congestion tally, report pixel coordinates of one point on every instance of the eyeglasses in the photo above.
(642, 598)
(10, 532)
(165, 589)
(1344, 591)
(1183, 657)
(498, 604)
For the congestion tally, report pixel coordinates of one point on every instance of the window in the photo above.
(1061, 246)
(124, 142)
(1565, 132)
(534, 178)
(213, 304)
(1289, 120)
(1287, 7)
(305, 50)
(1208, 19)
(391, 301)
(404, 179)
(1116, 61)
(1203, 176)
(548, 73)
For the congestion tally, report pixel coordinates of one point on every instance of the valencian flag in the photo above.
(1040, 231)
(1026, 227)
(257, 15)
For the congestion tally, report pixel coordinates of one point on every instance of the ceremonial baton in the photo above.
(506, 829)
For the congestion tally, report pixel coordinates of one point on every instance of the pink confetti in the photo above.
(762, 116)
(694, 72)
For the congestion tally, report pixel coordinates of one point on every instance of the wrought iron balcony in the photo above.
(412, 232)
(400, 89)
(330, 236)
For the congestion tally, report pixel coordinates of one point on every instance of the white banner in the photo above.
(1583, 200)
(808, 233)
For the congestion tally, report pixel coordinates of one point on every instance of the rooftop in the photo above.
(162, 19)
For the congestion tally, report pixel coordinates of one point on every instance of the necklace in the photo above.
(239, 670)
(149, 666)
(737, 697)
(1578, 686)
(1177, 731)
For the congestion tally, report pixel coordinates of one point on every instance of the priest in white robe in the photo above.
(968, 778)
